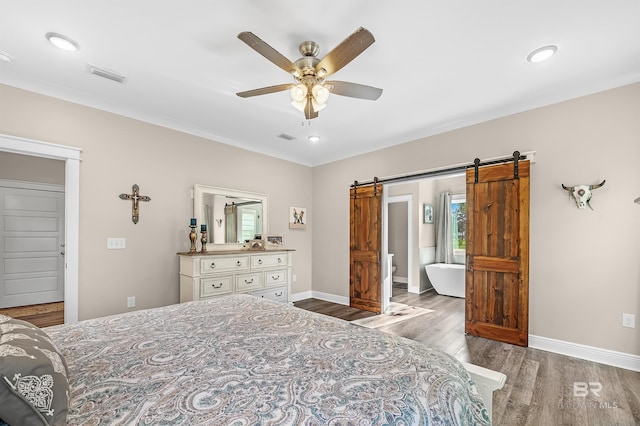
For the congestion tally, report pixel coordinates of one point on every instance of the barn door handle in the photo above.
(469, 263)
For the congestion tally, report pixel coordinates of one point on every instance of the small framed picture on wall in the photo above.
(428, 213)
(297, 218)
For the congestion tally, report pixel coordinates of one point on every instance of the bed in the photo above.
(241, 360)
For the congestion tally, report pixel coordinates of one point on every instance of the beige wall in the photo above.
(118, 152)
(584, 264)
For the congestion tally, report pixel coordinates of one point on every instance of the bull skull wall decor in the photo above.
(582, 193)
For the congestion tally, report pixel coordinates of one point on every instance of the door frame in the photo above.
(71, 157)
(385, 238)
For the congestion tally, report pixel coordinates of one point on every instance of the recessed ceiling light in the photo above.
(542, 53)
(314, 138)
(5, 57)
(62, 42)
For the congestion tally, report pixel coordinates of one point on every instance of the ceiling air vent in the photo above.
(101, 72)
(286, 137)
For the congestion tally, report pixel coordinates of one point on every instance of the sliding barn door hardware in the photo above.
(355, 188)
(375, 186)
(517, 156)
(476, 165)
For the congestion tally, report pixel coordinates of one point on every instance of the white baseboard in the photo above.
(328, 297)
(590, 353)
(397, 279)
(296, 297)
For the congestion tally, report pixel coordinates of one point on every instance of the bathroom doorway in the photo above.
(410, 236)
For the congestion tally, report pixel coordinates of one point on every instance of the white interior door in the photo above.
(32, 244)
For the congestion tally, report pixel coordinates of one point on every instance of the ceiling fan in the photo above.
(310, 91)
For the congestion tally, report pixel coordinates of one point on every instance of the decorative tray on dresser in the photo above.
(261, 273)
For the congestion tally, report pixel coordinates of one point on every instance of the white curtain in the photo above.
(444, 236)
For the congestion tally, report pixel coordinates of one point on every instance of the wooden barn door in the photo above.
(365, 289)
(497, 277)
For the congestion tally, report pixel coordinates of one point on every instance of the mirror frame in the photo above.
(199, 190)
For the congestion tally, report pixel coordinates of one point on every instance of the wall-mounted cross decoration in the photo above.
(135, 197)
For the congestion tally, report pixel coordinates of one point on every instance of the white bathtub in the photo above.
(447, 278)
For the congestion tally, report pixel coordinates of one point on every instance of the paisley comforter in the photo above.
(241, 360)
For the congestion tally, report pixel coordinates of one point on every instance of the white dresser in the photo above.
(261, 273)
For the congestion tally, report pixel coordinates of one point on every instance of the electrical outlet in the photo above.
(629, 320)
(131, 302)
(116, 243)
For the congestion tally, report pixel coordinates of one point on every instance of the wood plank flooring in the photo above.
(539, 390)
(44, 315)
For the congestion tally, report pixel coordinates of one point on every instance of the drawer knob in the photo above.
(216, 286)
(279, 260)
(260, 261)
(238, 263)
(275, 277)
(248, 281)
(213, 265)
(279, 294)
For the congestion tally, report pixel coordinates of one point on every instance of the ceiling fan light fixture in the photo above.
(320, 93)
(542, 53)
(299, 93)
(62, 42)
(317, 106)
(299, 105)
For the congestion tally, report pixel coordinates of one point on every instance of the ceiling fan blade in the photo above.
(309, 112)
(346, 51)
(265, 90)
(354, 90)
(267, 51)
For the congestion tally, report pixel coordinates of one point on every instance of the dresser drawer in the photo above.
(217, 285)
(248, 281)
(268, 260)
(275, 277)
(224, 264)
(278, 294)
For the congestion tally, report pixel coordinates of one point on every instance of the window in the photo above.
(459, 223)
(248, 224)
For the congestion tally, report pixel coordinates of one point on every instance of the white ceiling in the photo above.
(442, 64)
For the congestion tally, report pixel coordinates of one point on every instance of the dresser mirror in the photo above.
(231, 216)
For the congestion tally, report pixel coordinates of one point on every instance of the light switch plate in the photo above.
(116, 243)
(629, 320)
